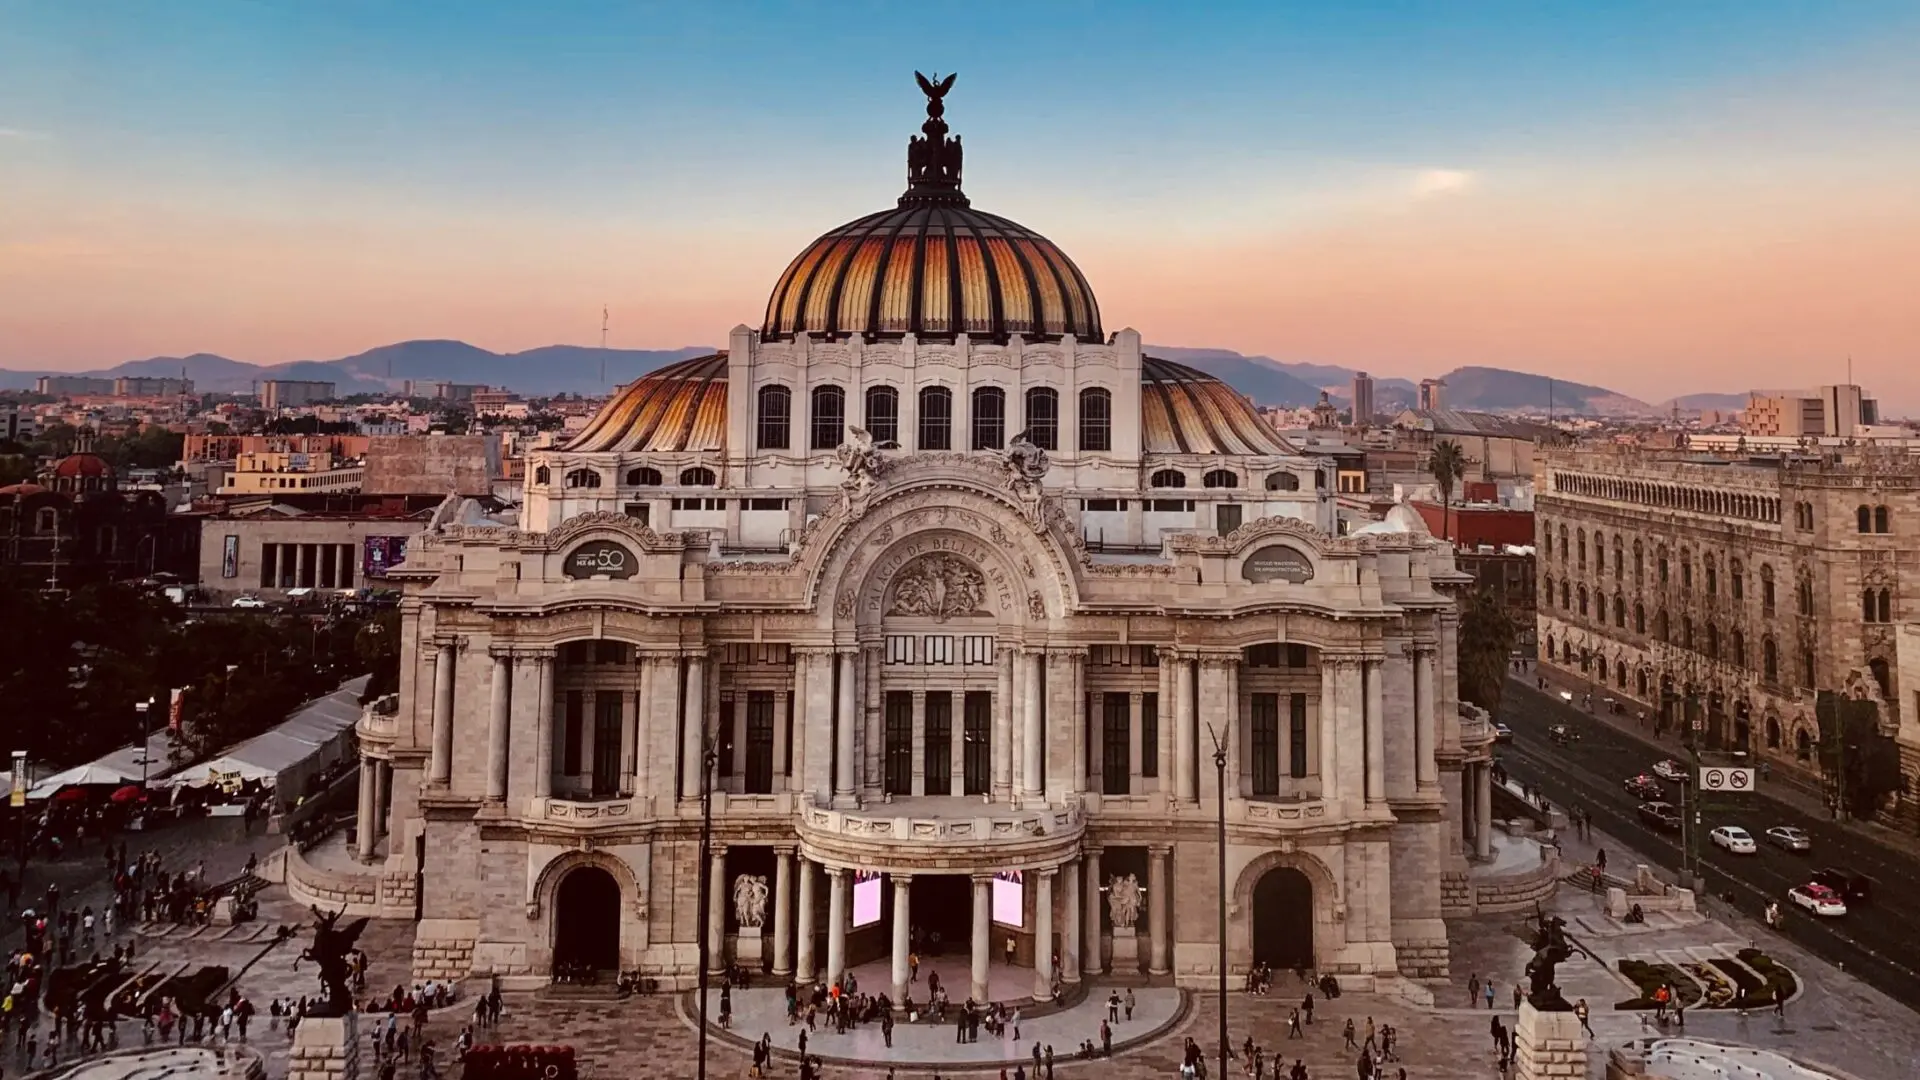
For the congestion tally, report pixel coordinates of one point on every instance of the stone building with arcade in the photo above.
(959, 589)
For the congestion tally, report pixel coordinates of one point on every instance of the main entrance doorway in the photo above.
(586, 920)
(942, 914)
(1283, 919)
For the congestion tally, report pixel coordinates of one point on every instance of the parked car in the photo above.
(253, 603)
(1563, 735)
(1855, 889)
(1671, 771)
(1502, 733)
(1645, 788)
(1662, 816)
(1788, 837)
(1734, 839)
(1818, 899)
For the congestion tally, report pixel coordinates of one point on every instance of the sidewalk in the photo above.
(1670, 745)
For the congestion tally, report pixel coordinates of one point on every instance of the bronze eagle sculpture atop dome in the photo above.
(935, 88)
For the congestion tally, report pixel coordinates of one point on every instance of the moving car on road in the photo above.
(1818, 899)
(1855, 889)
(1563, 735)
(1788, 837)
(1502, 733)
(1671, 771)
(1661, 816)
(1645, 788)
(250, 602)
(1735, 839)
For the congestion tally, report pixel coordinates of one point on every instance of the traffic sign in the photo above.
(1721, 779)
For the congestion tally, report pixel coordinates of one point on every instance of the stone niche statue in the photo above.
(1123, 900)
(750, 901)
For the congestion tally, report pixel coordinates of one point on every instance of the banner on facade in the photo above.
(176, 708)
(230, 557)
(380, 554)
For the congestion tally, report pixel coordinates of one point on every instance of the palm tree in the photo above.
(1448, 465)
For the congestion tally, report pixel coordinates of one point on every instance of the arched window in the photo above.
(1686, 631)
(1286, 481)
(698, 476)
(1600, 607)
(1550, 648)
(1713, 576)
(1043, 417)
(1620, 674)
(1640, 682)
(776, 417)
(1220, 478)
(883, 414)
(1769, 660)
(1864, 517)
(1549, 584)
(936, 418)
(1766, 590)
(583, 478)
(1882, 675)
(1096, 419)
(1639, 563)
(1806, 668)
(829, 421)
(1880, 520)
(543, 475)
(1563, 543)
(49, 520)
(1583, 599)
(644, 476)
(1660, 561)
(1885, 606)
(1566, 597)
(1866, 606)
(1773, 733)
(1686, 570)
(1582, 541)
(1619, 560)
(1802, 745)
(1639, 618)
(1168, 478)
(1803, 597)
(1737, 649)
(1619, 610)
(1713, 642)
(1546, 539)
(989, 418)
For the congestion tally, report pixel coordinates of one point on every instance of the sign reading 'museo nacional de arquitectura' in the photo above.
(959, 586)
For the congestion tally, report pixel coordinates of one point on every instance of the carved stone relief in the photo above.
(939, 586)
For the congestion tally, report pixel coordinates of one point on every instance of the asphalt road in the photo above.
(1876, 942)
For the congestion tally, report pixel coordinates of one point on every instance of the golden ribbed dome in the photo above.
(933, 266)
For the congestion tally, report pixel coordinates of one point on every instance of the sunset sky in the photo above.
(1661, 198)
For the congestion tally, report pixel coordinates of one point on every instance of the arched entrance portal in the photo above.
(1283, 919)
(586, 920)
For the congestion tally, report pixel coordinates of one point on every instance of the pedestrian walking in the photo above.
(1347, 1034)
(1489, 993)
(1473, 991)
(1580, 1010)
(1780, 1002)
(1516, 997)
(1129, 1003)
(1293, 1025)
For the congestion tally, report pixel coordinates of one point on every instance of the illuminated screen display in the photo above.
(1007, 896)
(866, 898)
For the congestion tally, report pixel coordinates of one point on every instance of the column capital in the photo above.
(1423, 648)
(716, 851)
(835, 872)
(901, 881)
(1094, 850)
(982, 879)
(786, 850)
(1161, 850)
(1045, 873)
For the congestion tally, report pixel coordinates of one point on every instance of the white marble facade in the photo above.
(925, 661)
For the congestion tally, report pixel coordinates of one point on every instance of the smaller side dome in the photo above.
(81, 465)
(680, 407)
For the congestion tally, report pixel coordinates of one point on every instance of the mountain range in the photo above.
(575, 369)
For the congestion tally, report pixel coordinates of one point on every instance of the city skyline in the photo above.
(1660, 202)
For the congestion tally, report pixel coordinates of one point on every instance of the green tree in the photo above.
(1487, 634)
(1448, 466)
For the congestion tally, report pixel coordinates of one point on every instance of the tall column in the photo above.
(836, 924)
(1426, 766)
(1070, 921)
(1093, 960)
(717, 909)
(1004, 661)
(693, 731)
(1236, 736)
(805, 968)
(633, 711)
(303, 576)
(982, 936)
(382, 794)
(1183, 733)
(543, 728)
(1328, 728)
(1351, 703)
(497, 727)
(902, 933)
(441, 767)
(1082, 736)
(1483, 811)
(1032, 783)
(1157, 961)
(873, 728)
(1043, 934)
(363, 830)
(1371, 671)
(845, 720)
(782, 912)
(797, 779)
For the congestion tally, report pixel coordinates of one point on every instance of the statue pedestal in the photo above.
(1126, 949)
(325, 1048)
(747, 946)
(222, 911)
(1548, 1045)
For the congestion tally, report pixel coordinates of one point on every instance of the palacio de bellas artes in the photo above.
(952, 589)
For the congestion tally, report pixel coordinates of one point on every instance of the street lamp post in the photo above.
(709, 758)
(1220, 771)
(17, 799)
(140, 709)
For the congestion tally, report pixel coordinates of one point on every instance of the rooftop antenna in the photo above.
(603, 346)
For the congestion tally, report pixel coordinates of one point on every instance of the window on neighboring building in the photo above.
(989, 418)
(1766, 590)
(1096, 419)
(776, 417)
(1286, 481)
(1619, 610)
(1639, 564)
(1220, 478)
(883, 414)
(1737, 649)
(829, 421)
(1864, 518)
(1639, 618)
(583, 478)
(1803, 597)
(1881, 520)
(543, 475)
(1686, 631)
(1168, 478)
(698, 476)
(1043, 417)
(643, 477)
(1581, 561)
(1769, 660)
(1713, 576)
(1736, 579)
(936, 418)
(1806, 668)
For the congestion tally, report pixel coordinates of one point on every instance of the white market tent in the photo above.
(318, 734)
(122, 766)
